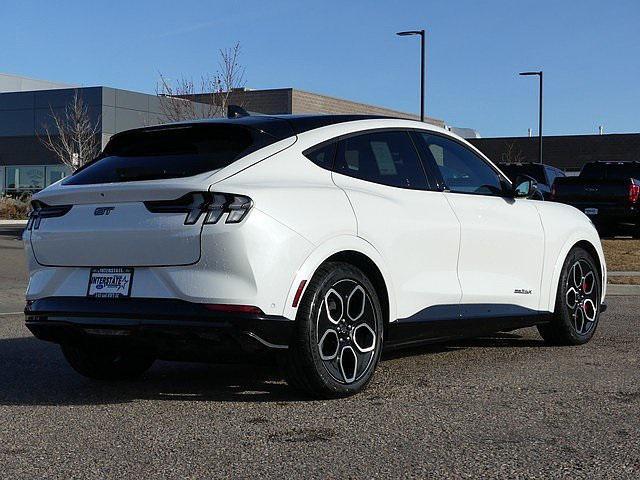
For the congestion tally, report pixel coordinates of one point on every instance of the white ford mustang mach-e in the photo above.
(322, 238)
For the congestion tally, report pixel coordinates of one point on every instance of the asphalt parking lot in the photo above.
(506, 407)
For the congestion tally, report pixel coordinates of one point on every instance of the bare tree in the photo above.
(511, 154)
(230, 80)
(180, 101)
(73, 137)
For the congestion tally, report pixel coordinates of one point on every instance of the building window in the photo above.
(55, 173)
(30, 178)
(24, 178)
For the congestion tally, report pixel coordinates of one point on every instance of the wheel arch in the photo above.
(357, 252)
(595, 252)
(588, 246)
(373, 273)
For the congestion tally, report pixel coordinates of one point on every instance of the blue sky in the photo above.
(589, 51)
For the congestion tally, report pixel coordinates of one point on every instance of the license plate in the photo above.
(591, 211)
(110, 282)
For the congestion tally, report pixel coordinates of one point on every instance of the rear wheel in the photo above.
(106, 363)
(338, 336)
(577, 311)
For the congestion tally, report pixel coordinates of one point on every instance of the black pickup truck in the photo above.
(608, 192)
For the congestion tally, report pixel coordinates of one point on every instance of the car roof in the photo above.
(526, 164)
(299, 123)
(279, 126)
(615, 162)
(521, 164)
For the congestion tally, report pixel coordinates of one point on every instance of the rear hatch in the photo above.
(581, 192)
(600, 184)
(131, 206)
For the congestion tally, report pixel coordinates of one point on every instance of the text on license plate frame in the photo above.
(591, 211)
(110, 282)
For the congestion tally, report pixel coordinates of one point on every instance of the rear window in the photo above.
(611, 171)
(171, 152)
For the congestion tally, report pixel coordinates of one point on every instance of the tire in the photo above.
(577, 309)
(100, 362)
(338, 336)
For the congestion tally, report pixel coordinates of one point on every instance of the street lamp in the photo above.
(422, 66)
(527, 74)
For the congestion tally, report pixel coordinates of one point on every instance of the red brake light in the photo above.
(634, 192)
(553, 191)
(223, 308)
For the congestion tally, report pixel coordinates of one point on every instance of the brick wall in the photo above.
(569, 152)
(289, 100)
(270, 102)
(307, 102)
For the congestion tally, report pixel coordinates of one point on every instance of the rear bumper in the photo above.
(172, 329)
(612, 214)
(251, 263)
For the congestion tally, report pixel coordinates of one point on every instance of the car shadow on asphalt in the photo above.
(33, 372)
(497, 340)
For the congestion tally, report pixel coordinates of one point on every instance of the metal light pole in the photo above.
(539, 74)
(422, 65)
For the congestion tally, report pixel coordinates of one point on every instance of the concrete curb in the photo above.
(623, 290)
(623, 274)
(13, 223)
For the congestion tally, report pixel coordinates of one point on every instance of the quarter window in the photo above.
(322, 155)
(388, 158)
(461, 169)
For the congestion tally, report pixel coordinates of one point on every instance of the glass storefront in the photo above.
(21, 179)
(55, 173)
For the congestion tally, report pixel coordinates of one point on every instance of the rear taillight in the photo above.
(552, 195)
(41, 210)
(634, 192)
(212, 205)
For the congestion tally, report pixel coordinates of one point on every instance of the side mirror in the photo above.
(525, 187)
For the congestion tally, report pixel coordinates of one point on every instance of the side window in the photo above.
(388, 158)
(462, 170)
(552, 174)
(322, 155)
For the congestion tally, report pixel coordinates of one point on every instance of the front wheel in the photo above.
(102, 362)
(338, 337)
(577, 310)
